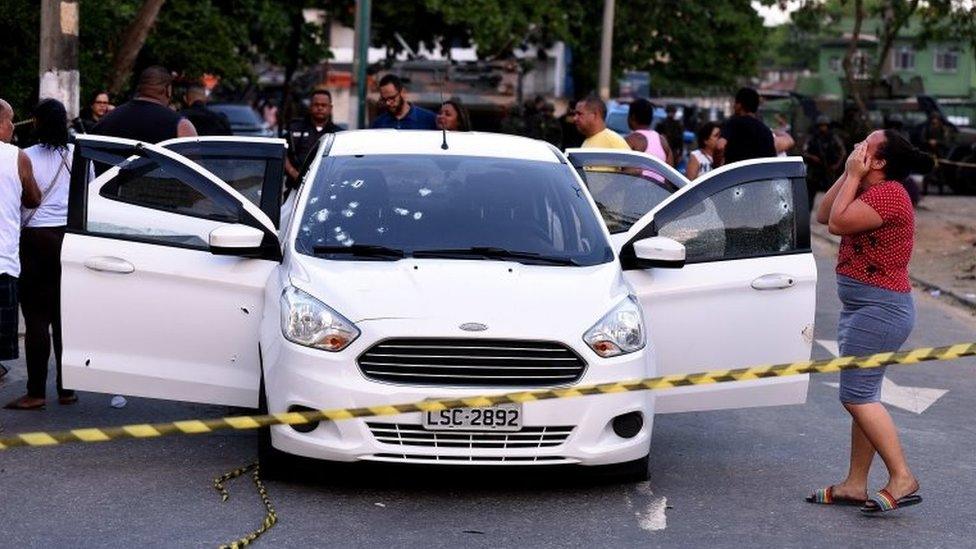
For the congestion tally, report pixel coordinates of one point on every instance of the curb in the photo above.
(924, 284)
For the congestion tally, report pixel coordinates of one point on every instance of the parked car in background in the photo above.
(409, 270)
(244, 120)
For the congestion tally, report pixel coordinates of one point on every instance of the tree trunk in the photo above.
(893, 23)
(131, 42)
(297, 21)
(849, 59)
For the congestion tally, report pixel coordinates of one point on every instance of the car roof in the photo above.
(349, 143)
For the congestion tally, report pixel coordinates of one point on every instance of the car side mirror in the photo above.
(237, 239)
(659, 251)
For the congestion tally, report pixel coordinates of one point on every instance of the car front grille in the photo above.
(402, 434)
(470, 460)
(472, 362)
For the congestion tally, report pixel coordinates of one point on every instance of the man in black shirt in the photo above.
(744, 135)
(148, 116)
(674, 132)
(206, 121)
(303, 134)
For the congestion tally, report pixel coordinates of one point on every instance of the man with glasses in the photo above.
(400, 114)
(303, 134)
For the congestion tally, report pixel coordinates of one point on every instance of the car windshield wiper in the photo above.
(491, 252)
(361, 250)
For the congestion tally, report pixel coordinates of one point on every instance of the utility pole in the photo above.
(360, 61)
(606, 49)
(59, 53)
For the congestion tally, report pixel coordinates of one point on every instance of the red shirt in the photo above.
(879, 257)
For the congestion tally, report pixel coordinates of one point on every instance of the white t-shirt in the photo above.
(53, 211)
(10, 192)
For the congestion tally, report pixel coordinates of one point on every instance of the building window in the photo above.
(903, 58)
(946, 59)
(859, 62)
(834, 64)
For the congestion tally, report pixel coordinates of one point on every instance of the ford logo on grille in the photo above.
(473, 327)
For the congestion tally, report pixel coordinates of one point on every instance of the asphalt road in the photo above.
(718, 479)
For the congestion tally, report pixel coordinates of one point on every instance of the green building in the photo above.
(942, 69)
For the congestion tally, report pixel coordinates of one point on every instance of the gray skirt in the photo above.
(873, 320)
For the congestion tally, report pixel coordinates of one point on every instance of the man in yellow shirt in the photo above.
(591, 114)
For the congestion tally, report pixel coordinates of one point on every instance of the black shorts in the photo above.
(9, 317)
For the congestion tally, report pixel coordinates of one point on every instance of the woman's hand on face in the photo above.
(857, 163)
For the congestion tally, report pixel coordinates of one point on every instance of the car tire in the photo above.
(274, 464)
(638, 470)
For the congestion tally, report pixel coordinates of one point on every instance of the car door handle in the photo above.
(776, 281)
(109, 264)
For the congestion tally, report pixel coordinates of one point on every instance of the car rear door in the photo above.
(747, 293)
(147, 308)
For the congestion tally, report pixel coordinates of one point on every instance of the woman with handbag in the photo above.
(40, 254)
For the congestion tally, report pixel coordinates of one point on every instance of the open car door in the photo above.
(746, 294)
(164, 267)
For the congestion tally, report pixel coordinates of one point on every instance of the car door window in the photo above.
(751, 219)
(245, 175)
(144, 200)
(623, 196)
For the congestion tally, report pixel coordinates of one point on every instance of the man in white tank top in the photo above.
(17, 188)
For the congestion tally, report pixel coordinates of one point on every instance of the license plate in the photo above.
(504, 417)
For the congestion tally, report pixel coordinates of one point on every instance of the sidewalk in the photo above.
(944, 260)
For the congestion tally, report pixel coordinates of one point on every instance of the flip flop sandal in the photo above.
(883, 502)
(825, 496)
(20, 404)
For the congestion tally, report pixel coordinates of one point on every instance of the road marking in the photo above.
(651, 518)
(913, 399)
(830, 345)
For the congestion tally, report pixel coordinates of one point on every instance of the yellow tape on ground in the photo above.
(194, 426)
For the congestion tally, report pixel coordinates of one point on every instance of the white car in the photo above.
(414, 265)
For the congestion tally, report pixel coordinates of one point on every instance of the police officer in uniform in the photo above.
(304, 134)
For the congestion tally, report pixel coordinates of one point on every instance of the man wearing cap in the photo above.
(824, 153)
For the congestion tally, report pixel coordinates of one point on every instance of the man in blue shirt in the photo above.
(400, 114)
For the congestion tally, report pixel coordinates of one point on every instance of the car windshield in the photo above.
(385, 207)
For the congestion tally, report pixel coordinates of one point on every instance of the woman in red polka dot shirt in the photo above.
(870, 209)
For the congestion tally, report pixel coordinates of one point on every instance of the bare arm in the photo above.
(668, 155)
(823, 210)
(848, 214)
(636, 141)
(693, 166)
(292, 171)
(783, 141)
(30, 196)
(185, 129)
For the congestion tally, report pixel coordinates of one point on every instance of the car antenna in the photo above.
(444, 130)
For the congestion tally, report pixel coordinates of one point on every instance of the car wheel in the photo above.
(274, 463)
(638, 470)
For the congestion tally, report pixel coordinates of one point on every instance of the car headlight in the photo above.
(309, 322)
(619, 332)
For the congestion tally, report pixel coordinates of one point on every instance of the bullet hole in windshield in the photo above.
(401, 211)
(424, 192)
(381, 230)
(357, 183)
(348, 213)
(313, 200)
(417, 215)
(322, 215)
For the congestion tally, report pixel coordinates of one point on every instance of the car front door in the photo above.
(746, 294)
(149, 308)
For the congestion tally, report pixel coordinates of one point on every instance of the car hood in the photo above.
(510, 298)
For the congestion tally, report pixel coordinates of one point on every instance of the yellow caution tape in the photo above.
(193, 427)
